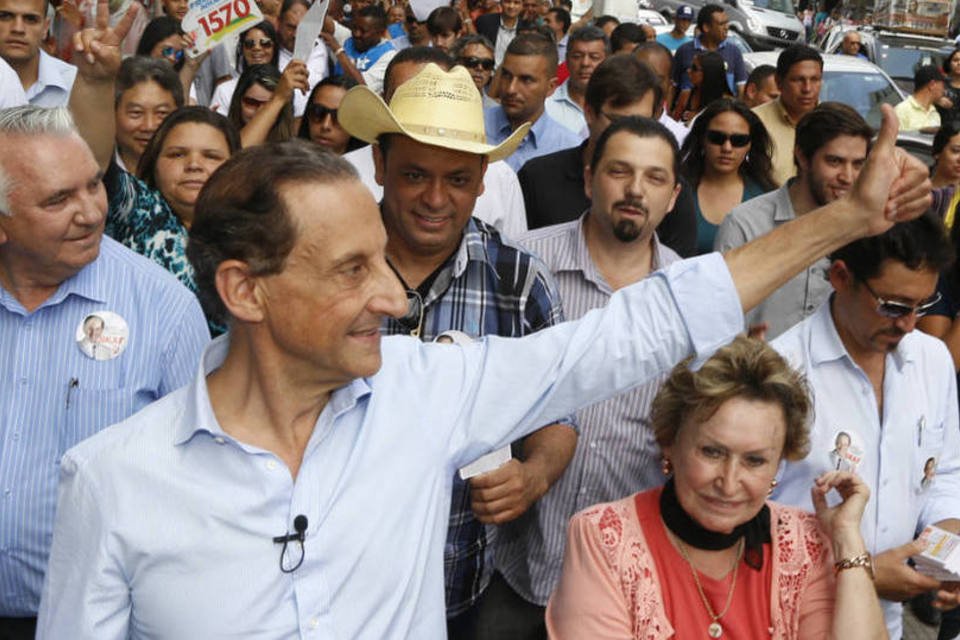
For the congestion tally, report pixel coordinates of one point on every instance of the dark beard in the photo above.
(626, 231)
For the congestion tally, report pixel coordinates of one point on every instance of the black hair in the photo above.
(642, 128)
(760, 74)
(419, 55)
(827, 121)
(714, 85)
(139, 69)
(443, 19)
(624, 33)
(268, 77)
(621, 80)
(157, 30)
(757, 166)
(563, 16)
(344, 82)
(588, 33)
(705, 16)
(535, 44)
(271, 32)
(921, 243)
(795, 54)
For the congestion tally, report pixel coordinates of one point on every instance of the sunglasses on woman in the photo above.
(720, 138)
(265, 43)
(472, 62)
(172, 52)
(317, 112)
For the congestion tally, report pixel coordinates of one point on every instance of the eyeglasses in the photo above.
(265, 43)
(472, 62)
(252, 103)
(720, 138)
(696, 68)
(172, 52)
(317, 112)
(893, 309)
(412, 322)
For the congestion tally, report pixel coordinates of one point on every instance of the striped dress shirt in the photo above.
(52, 395)
(616, 454)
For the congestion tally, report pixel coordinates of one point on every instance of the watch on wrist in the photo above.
(864, 560)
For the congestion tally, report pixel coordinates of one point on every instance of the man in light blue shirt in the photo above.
(90, 332)
(299, 486)
(588, 47)
(46, 80)
(527, 76)
(886, 401)
(681, 24)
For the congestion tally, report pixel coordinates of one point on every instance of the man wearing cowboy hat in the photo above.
(460, 273)
(298, 487)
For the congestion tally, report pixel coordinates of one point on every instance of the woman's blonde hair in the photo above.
(746, 368)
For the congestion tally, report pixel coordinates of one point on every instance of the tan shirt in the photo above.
(783, 134)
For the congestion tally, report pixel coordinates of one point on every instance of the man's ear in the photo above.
(588, 181)
(240, 291)
(840, 276)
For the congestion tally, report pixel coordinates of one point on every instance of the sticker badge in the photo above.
(846, 455)
(929, 472)
(102, 335)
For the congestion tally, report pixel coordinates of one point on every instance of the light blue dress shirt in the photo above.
(54, 82)
(565, 111)
(545, 136)
(919, 422)
(165, 522)
(42, 414)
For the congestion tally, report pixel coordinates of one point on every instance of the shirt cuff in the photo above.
(707, 298)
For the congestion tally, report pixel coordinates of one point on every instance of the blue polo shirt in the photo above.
(683, 58)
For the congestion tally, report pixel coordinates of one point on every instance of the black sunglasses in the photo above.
(720, 138)
(473, 62)
(894, 309)
(317, 112)
(265, 43)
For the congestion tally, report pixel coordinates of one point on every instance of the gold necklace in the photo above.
(714, 630)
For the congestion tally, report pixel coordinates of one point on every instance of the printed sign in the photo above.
(208, 22)
(309, 28)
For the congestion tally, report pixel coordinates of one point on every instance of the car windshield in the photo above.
(865, 92)
(902, 62)
(783, 6)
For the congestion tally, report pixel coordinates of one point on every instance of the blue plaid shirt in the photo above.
(489, 286)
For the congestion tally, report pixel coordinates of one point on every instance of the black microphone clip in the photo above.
(299, 526)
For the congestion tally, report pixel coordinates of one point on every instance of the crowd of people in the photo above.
(681, 297)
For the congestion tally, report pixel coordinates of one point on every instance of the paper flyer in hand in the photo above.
(208, 22)
(489, 462)
(308, 30)
(940, 558)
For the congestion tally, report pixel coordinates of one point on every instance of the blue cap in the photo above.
(684, 12)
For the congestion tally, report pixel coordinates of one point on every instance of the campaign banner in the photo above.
(208, 22)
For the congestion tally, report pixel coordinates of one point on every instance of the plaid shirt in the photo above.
(488, 287)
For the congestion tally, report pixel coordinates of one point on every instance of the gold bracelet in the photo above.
(864, 560)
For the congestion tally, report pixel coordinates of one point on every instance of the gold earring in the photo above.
(666, 466)
(773, 485)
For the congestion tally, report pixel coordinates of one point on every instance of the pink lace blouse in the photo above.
(610, 586)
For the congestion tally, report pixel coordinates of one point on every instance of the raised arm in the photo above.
(97, 56)
(893, 187)
(856, 611)
(294, 77)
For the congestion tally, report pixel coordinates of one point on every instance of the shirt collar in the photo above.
(198, 416)
(87, 283)
(919, 107)
(540, 128)
(473, 247)
(575, 256)
(783, 206)
(699, 45)
(48, 73)
(826, 345)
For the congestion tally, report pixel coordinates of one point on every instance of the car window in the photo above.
(783, 6)
(865, 92)
(902, 62)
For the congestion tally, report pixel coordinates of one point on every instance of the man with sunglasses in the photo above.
(23, 26)
(892, 391)
(831, 147)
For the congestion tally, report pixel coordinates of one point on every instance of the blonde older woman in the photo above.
(707, 555)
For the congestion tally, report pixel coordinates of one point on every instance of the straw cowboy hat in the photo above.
(436, 107)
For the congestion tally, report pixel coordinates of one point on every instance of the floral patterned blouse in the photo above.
(141, 219)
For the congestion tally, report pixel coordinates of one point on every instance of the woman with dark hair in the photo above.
(163, 38)
(320, 124)
(262, 105)
(152, 212)
(949, 104)
(726, 161)
(257, 45)
(709, 77)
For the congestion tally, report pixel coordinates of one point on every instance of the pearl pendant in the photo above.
(715, 630)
